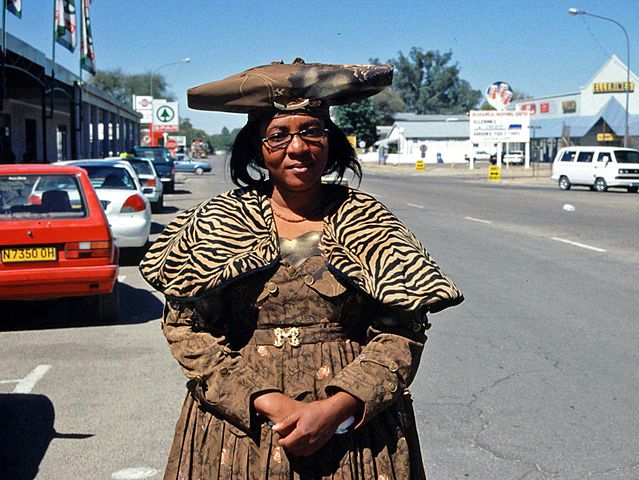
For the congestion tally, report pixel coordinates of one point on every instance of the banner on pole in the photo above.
(65, 24)
(15, 7)
(87, 54)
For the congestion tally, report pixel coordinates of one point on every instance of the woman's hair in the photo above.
(246, 155)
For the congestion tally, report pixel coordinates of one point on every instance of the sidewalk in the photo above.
(537, 174)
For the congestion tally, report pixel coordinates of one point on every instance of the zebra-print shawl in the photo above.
(212, 244)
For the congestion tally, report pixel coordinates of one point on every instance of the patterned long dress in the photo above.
(296, 329)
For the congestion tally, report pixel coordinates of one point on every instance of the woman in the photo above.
(296, 309)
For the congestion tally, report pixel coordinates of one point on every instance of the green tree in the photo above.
(123, 85)
(386, 104)
(359, 119)
(428, 83)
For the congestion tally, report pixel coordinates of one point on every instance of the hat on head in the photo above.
(291, 87)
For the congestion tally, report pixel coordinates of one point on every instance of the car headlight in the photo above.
(623, 170)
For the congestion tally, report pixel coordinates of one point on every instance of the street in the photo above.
(532, 377)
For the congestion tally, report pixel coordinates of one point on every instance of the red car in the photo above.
(55, 240)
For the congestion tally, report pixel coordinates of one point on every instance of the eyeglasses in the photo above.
(281, 139)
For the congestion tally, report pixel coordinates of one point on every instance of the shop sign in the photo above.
(613, 87)
(544, 107)
(605, 137)
(569, 106)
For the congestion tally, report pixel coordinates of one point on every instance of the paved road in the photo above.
(533, 377)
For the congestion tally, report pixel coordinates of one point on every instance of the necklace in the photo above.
(293, 220)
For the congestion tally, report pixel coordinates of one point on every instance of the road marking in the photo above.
(134, 473)
(414, 205)
(473, 219)
(121, 278)
(581, 245)
(26, 384)
(10, 381)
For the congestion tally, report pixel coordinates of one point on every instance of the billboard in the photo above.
(495, 127)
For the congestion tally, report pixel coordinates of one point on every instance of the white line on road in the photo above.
(473, 219)
(581, 245)
(414, 205)
(26, 384)
(121, 278)
(135, 473)
(10, 381)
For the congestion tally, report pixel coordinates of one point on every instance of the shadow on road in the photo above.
(136, 306)
(26, 430)
(181, 192)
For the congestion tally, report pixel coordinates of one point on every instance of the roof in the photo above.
(415, 117)
(435, 129)
(38, 168)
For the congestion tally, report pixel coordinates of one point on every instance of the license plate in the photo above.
(29, 254)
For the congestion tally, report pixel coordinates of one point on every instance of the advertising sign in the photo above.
(166, 117)
(498, 95)
(613, 87)
(495, 127)
(180, 140)
(144, 104)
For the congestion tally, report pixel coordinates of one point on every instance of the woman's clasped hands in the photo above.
(303, 427)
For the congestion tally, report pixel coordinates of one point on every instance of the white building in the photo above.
(592, 115)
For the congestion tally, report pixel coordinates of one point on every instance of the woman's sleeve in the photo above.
(220, 378)
(387, 364)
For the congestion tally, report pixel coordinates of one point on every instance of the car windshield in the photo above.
(627, 156)
(40, 196)
(141, 167)
(103, 177)
(161, 155)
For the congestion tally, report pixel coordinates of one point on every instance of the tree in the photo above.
(428, 84)
(386, 104)
(123, 85)
(359, 119)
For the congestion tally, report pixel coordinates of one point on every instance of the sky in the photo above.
(534, 45)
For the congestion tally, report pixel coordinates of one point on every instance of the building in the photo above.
(592, 115)
(45, 117)
(432, 138)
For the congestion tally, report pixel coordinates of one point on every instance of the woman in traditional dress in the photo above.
(296, 309)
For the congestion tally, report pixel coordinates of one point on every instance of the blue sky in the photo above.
(535, 45)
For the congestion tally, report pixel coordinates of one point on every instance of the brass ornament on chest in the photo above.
(291, 334)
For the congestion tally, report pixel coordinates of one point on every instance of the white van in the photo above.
(597, 167)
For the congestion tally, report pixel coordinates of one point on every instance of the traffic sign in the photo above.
(419, 166)
(171, 144)
(494, 173)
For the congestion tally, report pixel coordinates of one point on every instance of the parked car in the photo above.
(480, 155)
(55, 240)
(149, 179)
(515, 157)
(184, 163)
(122, 198)
(597, 167)
(161, 158)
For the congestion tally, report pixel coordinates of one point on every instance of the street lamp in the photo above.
(576, 11)
(183, 60)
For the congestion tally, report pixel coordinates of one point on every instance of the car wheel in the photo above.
(564, 183)
(633, 189)
(199, 171)
(106, 308)
(600, 185)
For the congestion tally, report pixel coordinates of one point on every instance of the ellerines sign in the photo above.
(613, 87)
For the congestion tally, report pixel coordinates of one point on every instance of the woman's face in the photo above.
(298, 166)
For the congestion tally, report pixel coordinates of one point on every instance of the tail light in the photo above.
(135, 203)
(34, 200)
(150, 182)
(99, 249)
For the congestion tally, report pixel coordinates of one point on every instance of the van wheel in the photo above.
(600, 185)
(633, 189)
(564, 183)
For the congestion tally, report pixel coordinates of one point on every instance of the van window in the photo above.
(626, 156)
(585, 157)
(603, 157)
(568, 156)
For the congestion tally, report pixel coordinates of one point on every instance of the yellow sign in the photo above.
(613, 87)
(352, 139)
(419, 166)
(605, 137)
(494, 173)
